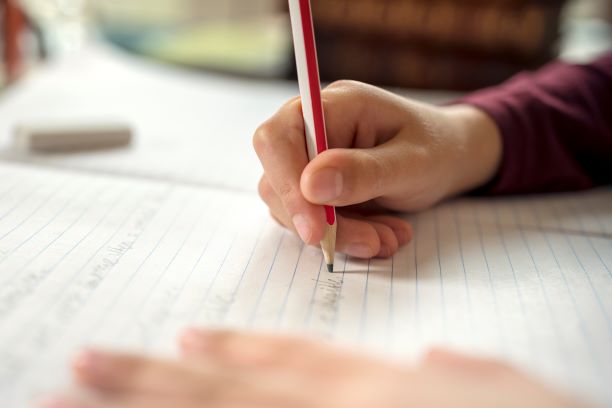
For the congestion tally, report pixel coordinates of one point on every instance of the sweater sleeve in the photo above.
(556, 127)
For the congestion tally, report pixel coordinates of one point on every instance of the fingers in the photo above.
(307, 364)
(244, 349)
(358, 115)
(281, 356)
(115, 372)
(127, 381)
(371, 237)
(464, 363)
(360, 237)
(125, 401)
(280, 145)
(364, 239)
(402, 229)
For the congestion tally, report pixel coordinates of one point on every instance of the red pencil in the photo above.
(312, 107)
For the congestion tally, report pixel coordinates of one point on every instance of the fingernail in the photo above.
(359, 251)
(89, 362)
(327, 185)
(194, 338)
(55, 402)
(302, 227)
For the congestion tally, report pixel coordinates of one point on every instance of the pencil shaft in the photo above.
(312, 107)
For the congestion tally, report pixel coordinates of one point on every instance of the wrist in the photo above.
(476, 152)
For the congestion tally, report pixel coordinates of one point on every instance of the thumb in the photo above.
(342, 177)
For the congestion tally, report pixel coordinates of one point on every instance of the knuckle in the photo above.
(344, 84)
(264, 137)
(285, 192)
(273, 134)
(224, 337)
(265, 190)
(345, 95)
(378, 169)
(278, 220)
(294, 103)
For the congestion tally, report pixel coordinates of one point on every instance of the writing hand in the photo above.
(387, 153)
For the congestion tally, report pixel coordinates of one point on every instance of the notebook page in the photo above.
(127, 264)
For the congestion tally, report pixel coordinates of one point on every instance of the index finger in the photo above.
(281, 148)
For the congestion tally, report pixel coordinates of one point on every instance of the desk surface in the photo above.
(174, 112)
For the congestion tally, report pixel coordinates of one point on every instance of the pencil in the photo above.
(312, 107)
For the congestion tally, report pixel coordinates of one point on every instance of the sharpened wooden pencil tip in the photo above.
(329, 247)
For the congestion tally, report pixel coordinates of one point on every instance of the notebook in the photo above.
(121, 255)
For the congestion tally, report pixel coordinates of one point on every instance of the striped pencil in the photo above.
(312, 107)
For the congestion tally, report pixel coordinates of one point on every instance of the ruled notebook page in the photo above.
(127, 264)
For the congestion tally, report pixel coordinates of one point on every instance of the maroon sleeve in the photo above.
(556, 126)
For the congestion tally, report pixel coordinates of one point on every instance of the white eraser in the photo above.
(71, 136)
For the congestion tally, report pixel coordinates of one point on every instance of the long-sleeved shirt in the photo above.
(556, 128)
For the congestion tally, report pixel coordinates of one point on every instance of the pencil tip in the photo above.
(330, 267)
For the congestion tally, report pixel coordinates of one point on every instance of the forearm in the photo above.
(477, 153)
(555, 128)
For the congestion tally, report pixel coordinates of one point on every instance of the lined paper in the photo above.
(127, 264)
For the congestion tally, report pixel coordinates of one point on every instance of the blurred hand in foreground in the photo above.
(228, 369)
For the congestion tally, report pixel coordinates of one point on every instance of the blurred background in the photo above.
(428, 44)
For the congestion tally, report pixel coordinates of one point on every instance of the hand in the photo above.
(226, 369)
(386, 154)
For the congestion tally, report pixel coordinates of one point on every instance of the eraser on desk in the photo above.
(71, 136)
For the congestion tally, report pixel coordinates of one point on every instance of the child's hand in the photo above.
(229, 369)
(387, 153)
